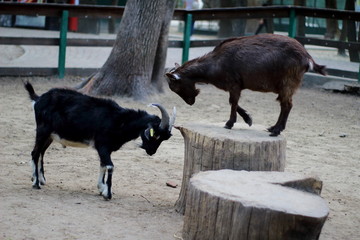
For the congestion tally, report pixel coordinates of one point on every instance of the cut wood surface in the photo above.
(212, 147)
(228, 204)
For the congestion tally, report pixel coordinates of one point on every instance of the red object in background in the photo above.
(73, 21)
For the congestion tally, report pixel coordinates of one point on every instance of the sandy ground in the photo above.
(323, 135)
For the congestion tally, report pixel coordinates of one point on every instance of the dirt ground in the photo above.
(322, 135)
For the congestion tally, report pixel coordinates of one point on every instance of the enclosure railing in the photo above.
(64, 11)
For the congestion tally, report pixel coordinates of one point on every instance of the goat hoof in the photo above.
(248, 121)
(274, 133)
(42, 182)
(229, 125)
(107, 197)
(36, 187)
(270, 129)
(105, 193)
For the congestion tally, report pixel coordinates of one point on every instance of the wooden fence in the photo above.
(64, 11)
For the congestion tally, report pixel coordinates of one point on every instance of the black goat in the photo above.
(264, 63)
(78, 120)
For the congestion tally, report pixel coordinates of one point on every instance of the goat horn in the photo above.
(172, 119)
(166, 122)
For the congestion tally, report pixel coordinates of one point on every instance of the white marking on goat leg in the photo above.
(41, 175)
(105, 192)
(33, 174)
(102, 186)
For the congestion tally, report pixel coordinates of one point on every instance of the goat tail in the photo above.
(317, 68)
(31, 91)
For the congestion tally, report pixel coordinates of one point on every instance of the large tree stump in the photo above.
(212, 147)
(227, 204)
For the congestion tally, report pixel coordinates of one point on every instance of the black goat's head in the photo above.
(182, 86)
(153, 136)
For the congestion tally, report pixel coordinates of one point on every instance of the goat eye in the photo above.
(155, 137)
(174, 87)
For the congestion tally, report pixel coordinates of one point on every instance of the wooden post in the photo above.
(212, 147)
(228, 204)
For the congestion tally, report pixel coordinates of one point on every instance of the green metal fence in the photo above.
(65, 11)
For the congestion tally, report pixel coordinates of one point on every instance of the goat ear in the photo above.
(197, 92)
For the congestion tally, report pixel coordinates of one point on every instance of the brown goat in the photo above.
(264, 63)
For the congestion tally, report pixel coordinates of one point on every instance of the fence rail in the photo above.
(64, 11)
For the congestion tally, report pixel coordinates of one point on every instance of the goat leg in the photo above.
(105, 188)
(42, 142)
(230, 123)
(110, 170)
(281, 123)
(41, 162)
(105, 165)
(242, 112)
(233, 100)
(35, 166)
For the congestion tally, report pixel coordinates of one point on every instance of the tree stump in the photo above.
(227, 204)
(212, 147)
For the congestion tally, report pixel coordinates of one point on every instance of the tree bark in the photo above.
(135, 62)
(227, 204)
(209, 147)
(157, 78)
(232, 27)
(301, 19)
(331, 24)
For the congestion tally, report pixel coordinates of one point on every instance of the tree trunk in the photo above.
(135, 62)
(331, 24)
(209, 147)
(232, 27)
(301, 19)
(227, 204)
(157, 78)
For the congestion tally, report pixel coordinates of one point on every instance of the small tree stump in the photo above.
(212, 147)
(227, 204)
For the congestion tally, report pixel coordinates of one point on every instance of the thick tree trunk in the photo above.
(157, 78)
(211, 147)
(227, 204)
(129, 70)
